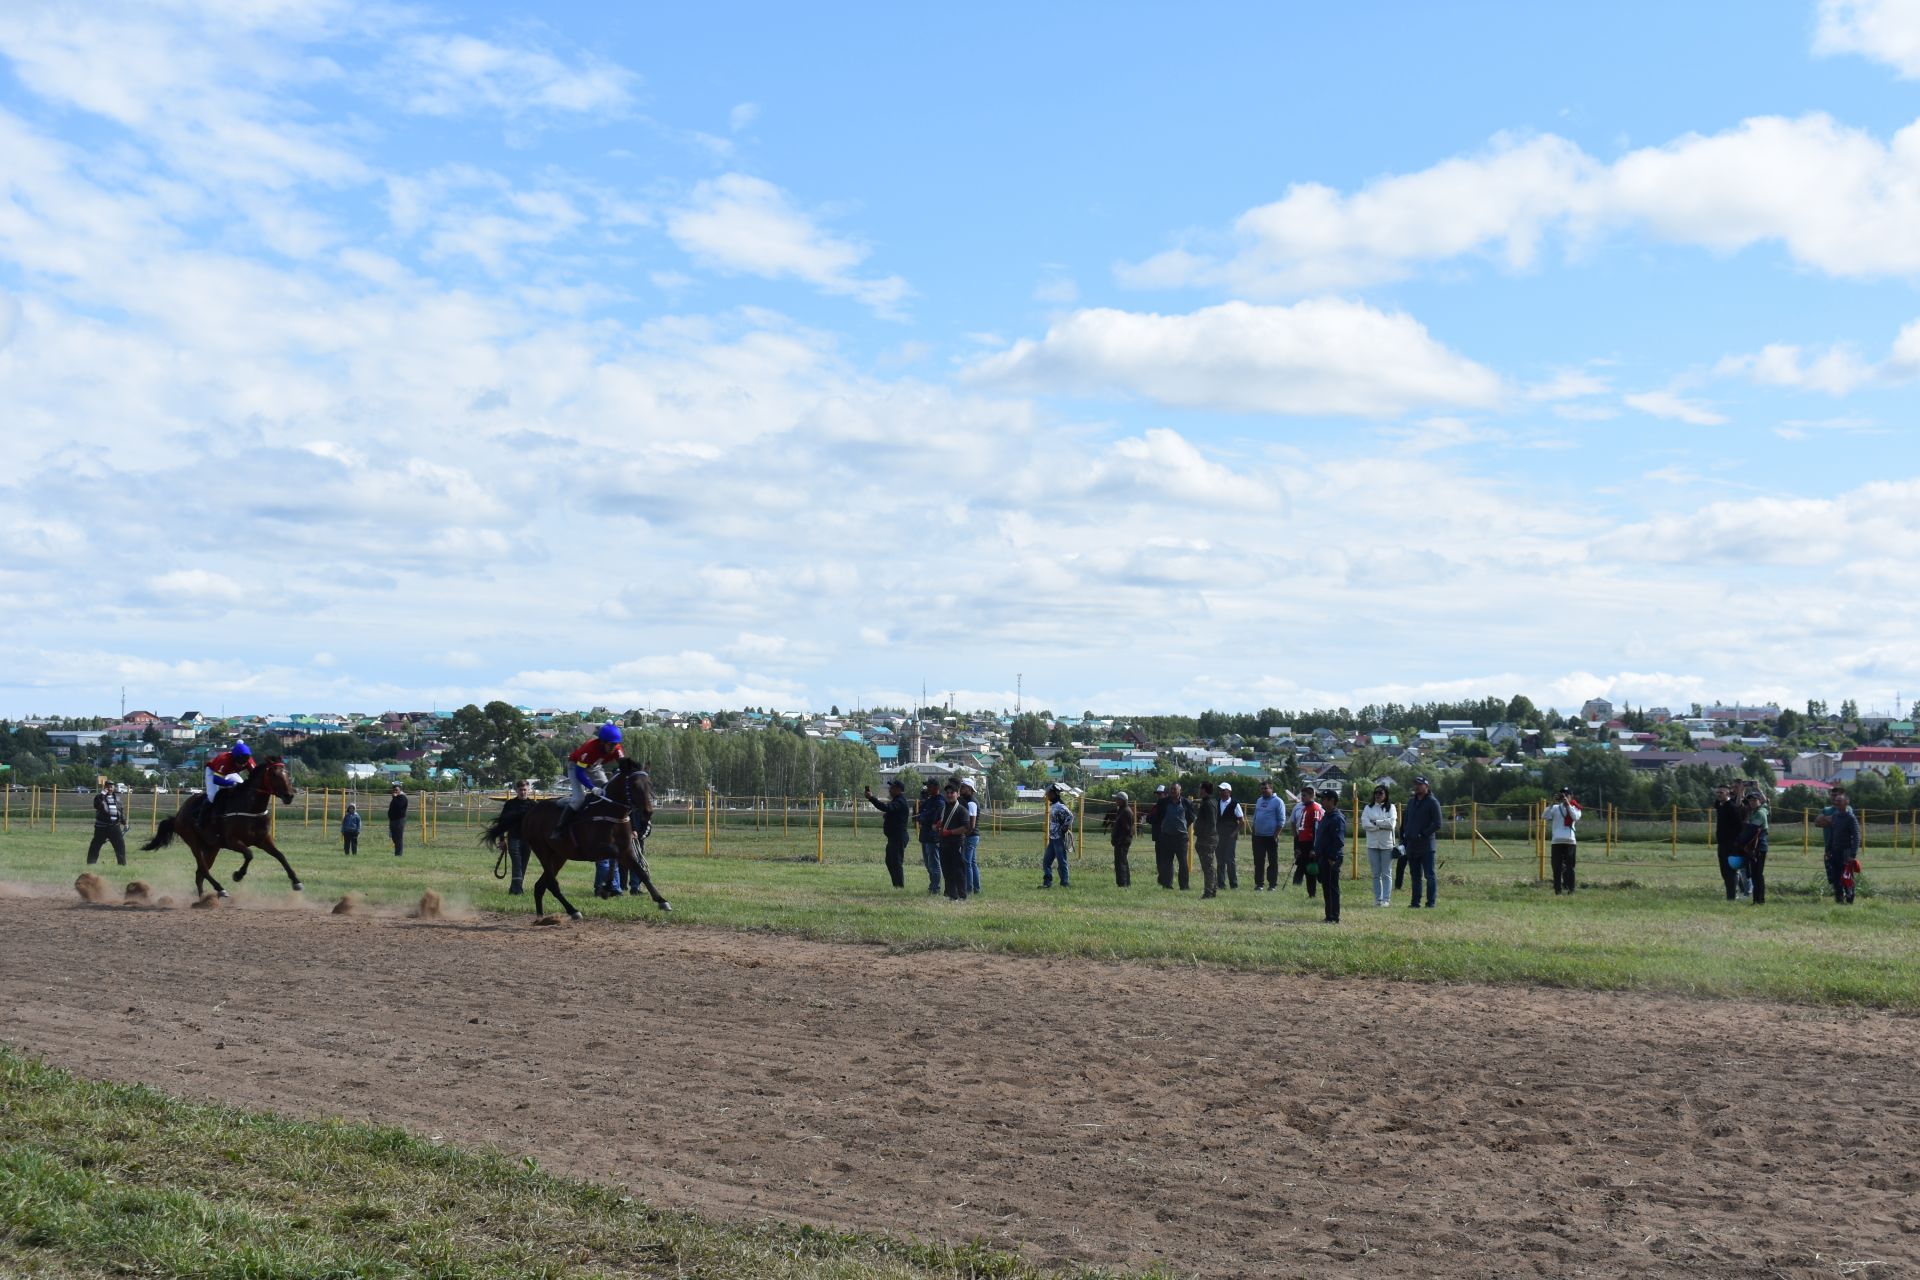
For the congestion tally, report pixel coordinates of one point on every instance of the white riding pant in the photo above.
(579, 796)
(214, 788)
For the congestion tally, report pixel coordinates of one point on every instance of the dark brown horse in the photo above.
(602, 829)
(241, 824)
(632, 788)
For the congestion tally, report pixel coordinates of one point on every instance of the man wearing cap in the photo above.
(1420, 834)
(397, 819)
(1172, 816)
(1329, 850)
(1206, 838)
(109, 821)
(1561, 817)
(1232, 818)
(970, 800)
(928, 819)
(1269, 820)
(1059, 827)
(895, 818)
(956, 823)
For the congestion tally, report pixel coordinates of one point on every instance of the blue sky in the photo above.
(359, 356)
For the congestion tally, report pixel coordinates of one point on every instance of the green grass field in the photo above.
(104, 1180)
(1644, 921)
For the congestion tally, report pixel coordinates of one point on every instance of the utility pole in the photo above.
(123, 702)
(1017, 678)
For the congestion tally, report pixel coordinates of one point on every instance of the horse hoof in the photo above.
(666, 906)
(296, 886)
(240, 875)
(223, 893)
(575, 915)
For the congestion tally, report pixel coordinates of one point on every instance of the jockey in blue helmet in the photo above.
(227, 769)
(587, 763)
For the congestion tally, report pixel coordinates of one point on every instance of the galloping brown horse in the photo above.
(244, 831)
(602, 829)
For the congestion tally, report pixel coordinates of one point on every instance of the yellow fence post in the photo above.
(423, 820)
(1080, 822)
(306, 810)
(1541, 835)
(820, 811)
(709, 838)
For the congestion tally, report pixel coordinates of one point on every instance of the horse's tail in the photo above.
(161, 838)
(495, 836)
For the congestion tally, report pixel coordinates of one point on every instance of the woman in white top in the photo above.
(1378, 820)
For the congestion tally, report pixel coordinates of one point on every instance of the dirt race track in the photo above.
(1224, 1124)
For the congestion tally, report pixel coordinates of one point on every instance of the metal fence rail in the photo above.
(786, 827)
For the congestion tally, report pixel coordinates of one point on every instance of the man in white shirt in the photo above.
(1561, 817)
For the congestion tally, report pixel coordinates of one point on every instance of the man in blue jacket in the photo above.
(927, 817)
(1420, 835)
(1329, 848)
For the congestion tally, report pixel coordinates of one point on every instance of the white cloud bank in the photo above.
(1321, 356)
(1835, 198)
(1884, 30)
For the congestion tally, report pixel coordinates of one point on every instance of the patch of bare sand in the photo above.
(1223, 1124)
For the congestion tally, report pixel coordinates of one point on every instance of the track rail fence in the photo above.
(792, 827)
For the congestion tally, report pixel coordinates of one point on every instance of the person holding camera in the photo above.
(896, 818)
(1561, 817)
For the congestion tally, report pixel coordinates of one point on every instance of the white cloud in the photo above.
(417, 449)
(445, 74)
(198, 584)
(1836, 198)
(1837, 370)
(1669, 404)
(1885, 30)
(1320, 356)
(742, 115)
(739, 223)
